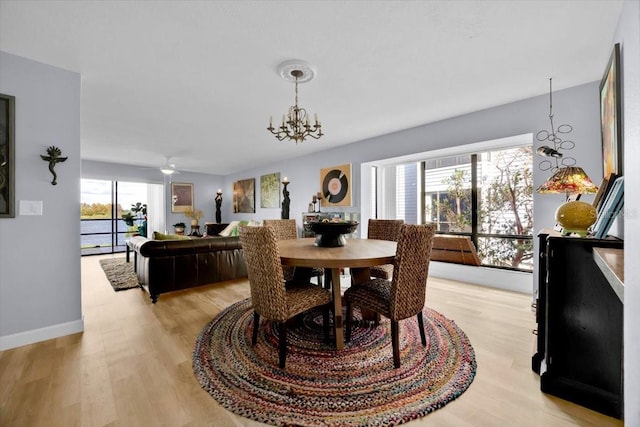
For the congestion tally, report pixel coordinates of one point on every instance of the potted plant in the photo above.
(140, 209)
(179, 227)
(194, 214)
(128, 218)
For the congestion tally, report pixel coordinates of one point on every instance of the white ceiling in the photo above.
(196, 81)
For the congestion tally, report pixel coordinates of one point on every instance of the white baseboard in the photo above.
(36, 335)
(509, 280)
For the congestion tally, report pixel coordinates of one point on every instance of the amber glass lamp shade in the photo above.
(574, 216)
(568, 180)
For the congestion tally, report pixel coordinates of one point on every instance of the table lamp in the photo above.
(574, 216)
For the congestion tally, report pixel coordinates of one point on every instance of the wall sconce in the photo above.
(286, 202)
(218, 206)
(53, 157)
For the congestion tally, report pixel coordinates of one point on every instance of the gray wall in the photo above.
(48, 112)
(40, 255)
(204, 187)
(628, 35)
(578, 106)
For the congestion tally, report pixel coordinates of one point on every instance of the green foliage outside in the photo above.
(505, 207)
(98, 210)
(458, 195)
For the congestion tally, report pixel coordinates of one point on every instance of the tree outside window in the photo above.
(505, 203)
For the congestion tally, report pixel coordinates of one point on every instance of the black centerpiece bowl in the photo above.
(330, 234)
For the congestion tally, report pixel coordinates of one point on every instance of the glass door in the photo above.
(102, 203)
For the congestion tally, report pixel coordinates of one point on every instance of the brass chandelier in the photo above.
(296, 124)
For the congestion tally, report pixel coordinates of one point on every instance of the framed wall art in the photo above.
(335, 184)
(181, 197)
(7, 156)
(611, 115)
(270, 190)
(244, 196)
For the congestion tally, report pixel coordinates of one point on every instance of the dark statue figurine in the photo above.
(53, 157)
(218, 206)
(285, 202)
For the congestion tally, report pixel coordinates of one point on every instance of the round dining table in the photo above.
(357, 253)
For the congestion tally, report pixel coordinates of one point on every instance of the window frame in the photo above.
(473, 150)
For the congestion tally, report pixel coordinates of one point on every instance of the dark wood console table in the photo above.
(580, 321)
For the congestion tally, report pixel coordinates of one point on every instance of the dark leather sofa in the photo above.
(170, 265)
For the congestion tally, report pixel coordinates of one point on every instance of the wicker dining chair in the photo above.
(404, 295)
(383, 229)
(287, 229)
(270, 298)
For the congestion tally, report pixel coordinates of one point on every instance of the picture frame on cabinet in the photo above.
(611, 207)
(603, 191)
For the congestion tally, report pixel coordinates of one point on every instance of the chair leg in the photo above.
(256, 322)
(347, 335)
(325, 322)
(283, 344)
(421, 326)
(395, 343)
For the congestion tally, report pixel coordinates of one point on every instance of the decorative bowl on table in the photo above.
(330, 234)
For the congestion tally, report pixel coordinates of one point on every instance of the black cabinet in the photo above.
(580, 320)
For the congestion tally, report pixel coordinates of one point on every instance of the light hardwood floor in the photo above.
(132, 364)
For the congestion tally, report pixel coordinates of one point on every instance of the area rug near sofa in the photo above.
(120, 273)
(356, 386)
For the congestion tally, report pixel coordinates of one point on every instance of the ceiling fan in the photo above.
(168, 168)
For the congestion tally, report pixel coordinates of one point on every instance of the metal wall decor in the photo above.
(555, 138)
(54, 156)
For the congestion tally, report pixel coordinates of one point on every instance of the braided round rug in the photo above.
(356, 386)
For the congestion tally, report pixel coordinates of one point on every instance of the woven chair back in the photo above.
(411, 269)
(384, 229)
(285, 229)
(266, 281)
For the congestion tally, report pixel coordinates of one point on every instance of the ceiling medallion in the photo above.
(295, 124)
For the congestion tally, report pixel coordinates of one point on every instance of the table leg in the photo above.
(337, 308)
(128, 250)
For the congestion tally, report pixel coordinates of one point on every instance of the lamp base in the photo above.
(576, 217)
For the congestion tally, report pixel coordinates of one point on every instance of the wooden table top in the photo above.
(356, 253)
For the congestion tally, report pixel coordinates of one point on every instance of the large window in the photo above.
(102, 229)
(485, 195)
